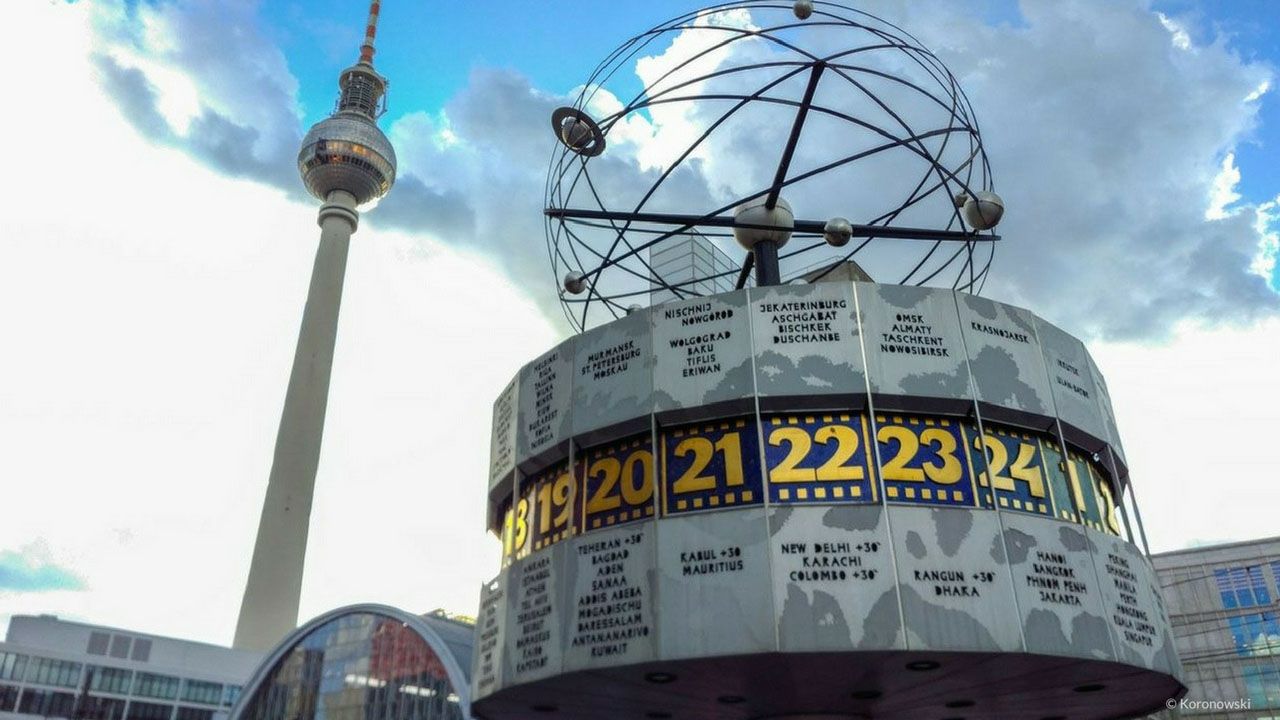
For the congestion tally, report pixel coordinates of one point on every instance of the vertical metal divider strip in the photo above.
(995, 494)
(579, 483)
(764, 470)
(1137, 512)
(567, 422)
(1048, 480)
(968, 458)
(505, 659)
(879, 476)
(568, 608)
(658, 472)
(1124, 515)
(1081, 520)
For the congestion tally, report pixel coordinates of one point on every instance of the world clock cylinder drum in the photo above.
(844, 498)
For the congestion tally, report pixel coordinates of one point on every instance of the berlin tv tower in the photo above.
(345, 162)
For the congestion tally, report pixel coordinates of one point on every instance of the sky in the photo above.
(157, 245)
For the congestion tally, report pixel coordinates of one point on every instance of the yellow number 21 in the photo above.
(702, 449)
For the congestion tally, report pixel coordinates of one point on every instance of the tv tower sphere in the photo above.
(347, 151)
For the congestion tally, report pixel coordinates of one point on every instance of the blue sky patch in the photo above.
(1248, 28)
(19, 572)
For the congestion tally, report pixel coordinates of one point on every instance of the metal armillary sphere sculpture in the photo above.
(811, 133)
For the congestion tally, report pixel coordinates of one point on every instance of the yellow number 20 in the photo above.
(635, 491)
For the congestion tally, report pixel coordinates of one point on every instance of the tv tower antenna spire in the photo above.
(345, 162)
(370, 32)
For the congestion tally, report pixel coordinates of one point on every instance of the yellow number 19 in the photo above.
(555, 495)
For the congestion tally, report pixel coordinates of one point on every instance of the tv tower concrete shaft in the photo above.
(270, 607)
(345, 161)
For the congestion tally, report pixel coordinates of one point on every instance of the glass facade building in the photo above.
(52, 668)
(682, 261)
(1222, 601)
(63, 689)
(365, 662)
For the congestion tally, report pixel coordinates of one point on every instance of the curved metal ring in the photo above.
(590, 149)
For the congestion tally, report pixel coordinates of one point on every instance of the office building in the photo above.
(1222, 602)
(61, 669)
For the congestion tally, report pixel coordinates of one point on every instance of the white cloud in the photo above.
(153, 306)
(1197, 416)
(1266, 223)
(674, 70)
(33, 568)
(1223, 191)
(1177, 33)
(1107, 146)
(1258, 92)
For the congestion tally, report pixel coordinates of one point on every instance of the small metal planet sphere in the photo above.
(575, 282)
(766, 223)
(983, 210)
(574, 133)
(837, 232)
(577, 131)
